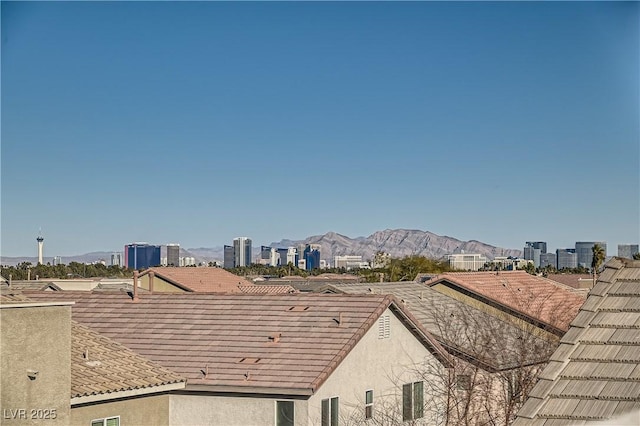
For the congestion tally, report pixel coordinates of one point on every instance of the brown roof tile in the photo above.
(101, 366)
(248, 341)
(205, 279)
(538, 298)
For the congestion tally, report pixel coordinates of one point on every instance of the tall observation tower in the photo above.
(40, 241)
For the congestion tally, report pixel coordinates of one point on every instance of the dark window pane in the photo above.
(325, 413)
(368, 411)
(334, 411)
(284, 413)
(407, 400)
(418, 400)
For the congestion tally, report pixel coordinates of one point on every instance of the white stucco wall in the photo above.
(382, 365)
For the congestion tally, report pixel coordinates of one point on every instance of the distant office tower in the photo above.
(40, 241)
(186, 261)
(229, 257)
(292, 256)
(533, 250)
(57, 260)
(141, 255)
(282, 253)
(628, 250)
(242, 251)
(265, 252)
(173, 254)
(116, 259)
(311, 256)
(566, 258)
(548, 259)
(584, 251)
(349, 262)
(467, 262)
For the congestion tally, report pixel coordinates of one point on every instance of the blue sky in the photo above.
(197, 122)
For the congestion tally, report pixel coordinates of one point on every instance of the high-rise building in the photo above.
(584, 251)
(628, 250)
(548, 259)
(40, 241)
(116, 259)
(312, 256)
(467, 261)
(57, 260)
(292, 256)
(141, 255)
(242, 251)
(566, 258)
(173, 254)
(229, 257)
(533, 250)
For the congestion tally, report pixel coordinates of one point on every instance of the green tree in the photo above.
(636, 256)
(598, 259)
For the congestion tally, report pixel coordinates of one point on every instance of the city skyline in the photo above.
(196, 122)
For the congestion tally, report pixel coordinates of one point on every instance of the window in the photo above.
(412, 401)
(284, 413)
(330, 412)
(463, 382)
(368, 404)
(384, 327)
(108, 421)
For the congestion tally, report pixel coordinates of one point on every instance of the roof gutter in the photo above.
(78, 400)
(249, 390)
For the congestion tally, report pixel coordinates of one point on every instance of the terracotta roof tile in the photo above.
(205, 279)
(295, 338)
(541, 299)
(267, 289)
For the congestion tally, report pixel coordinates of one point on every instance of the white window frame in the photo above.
(415, 410)
(329, 419)
(368, 405)
(104, 420)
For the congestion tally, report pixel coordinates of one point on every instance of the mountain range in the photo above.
(396, 242)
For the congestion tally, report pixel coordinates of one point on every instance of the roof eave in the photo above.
(101, 397)
(261, 390)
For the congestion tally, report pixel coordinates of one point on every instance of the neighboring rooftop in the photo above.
(104, 369)
(573, 280)
(206, 279)
(551, 304)
(241, 342)
(466, 332)
(594, 375)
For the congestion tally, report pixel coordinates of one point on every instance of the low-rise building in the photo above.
(299, 359)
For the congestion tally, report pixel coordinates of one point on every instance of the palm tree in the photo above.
(598, 258)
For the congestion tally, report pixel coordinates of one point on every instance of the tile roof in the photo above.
(267, 288)
(594, 375)
(572, 280)
(241, 342)
(469, 333)
(204, 279)
(552, 304)
(104, 369)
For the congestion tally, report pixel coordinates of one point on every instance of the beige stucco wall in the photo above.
(229, 411)
(149, 410)
(383, 365)
(158, 285)
(35, 338)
